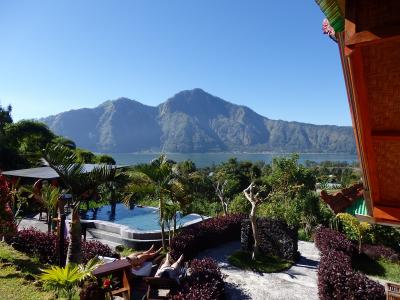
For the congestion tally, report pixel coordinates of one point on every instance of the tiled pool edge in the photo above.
(127, 236)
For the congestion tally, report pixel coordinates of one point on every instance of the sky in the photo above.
(268, 55)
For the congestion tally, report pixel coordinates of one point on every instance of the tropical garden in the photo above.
(257, 203)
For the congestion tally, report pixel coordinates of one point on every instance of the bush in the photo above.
(37, 243)
(386, 235)
(336, 278)
(376, 252)
(205, 282)
(209, 233)
(92, 249)
(44, 246)
(92, 290)
(239, 204)
(275, 236)
(7, 224)
(328, 239)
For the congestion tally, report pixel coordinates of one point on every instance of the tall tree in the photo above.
(80, 184)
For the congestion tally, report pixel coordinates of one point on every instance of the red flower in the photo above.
(106, 283)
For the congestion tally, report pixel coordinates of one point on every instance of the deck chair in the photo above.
(154, 284)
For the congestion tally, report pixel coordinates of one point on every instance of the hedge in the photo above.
(205, 282)
(336, 278)
(44, 246)
(207, 234)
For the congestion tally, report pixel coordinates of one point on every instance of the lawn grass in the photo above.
(263, 264)
(15, 268)
(381, 268)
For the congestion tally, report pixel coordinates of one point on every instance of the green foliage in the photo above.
(265, 264)
(5, 117)
(63, 281)
(239, 204)
(291, 195)
(237, 174)
(65, 142)
(105, 159)
(84, 156)
(82, 186)
(386, 235)
(354, 229)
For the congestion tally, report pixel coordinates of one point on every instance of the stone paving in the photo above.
(298, 282)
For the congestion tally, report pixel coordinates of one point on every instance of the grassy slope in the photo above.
(14, 266)
(381, 268)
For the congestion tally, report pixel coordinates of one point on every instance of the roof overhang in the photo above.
(370, 54)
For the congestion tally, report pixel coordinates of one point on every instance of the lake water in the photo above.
(138, 218)
(208, 159)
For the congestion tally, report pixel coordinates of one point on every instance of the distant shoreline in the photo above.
(214, 158)
(228, 152)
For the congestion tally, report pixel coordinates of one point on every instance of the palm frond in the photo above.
(333, 13)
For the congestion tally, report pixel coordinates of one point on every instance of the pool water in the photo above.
(138, 218)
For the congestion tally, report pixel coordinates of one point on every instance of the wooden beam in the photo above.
(361, 102)
(373, 36)
(387, 214)
(386, 135)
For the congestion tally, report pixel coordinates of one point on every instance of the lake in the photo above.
(208, 159)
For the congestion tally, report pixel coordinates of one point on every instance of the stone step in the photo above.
(118, 240)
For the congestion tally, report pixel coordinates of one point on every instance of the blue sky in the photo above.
(268, 55)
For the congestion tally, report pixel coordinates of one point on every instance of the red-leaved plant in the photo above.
(7, 225)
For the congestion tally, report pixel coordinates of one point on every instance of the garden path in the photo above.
(298, 282)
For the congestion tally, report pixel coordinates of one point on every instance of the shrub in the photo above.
(44, 246)
(327, 239)
(205, 282)
(37, 243)
(92, 290)
(336, 279)
(333, 271)
(376, 252)
(239, 204)
(354, 229)
(386, 235)
(209, 233)
(275, 236)
(7, 224)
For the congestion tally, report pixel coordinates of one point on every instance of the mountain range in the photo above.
(193, 121)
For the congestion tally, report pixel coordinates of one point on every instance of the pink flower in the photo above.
(327, 28)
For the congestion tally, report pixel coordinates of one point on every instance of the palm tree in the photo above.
(112, 189)
(153, 179)
(50, 196)
(80, 184)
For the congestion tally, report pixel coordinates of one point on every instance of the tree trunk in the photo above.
(161, 212)
(253, 221)
(173, 233)
(113, 207)
(163, 235)
(60, 231)
(49, 221)
(255, 200)
(74, 247)
(223, 203)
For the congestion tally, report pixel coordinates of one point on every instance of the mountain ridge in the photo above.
(193, 121)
